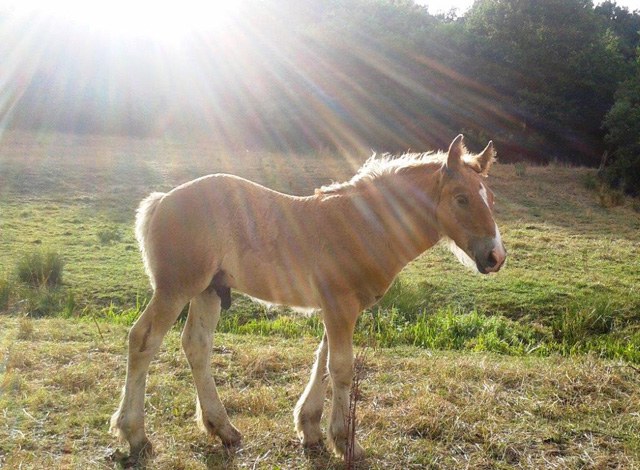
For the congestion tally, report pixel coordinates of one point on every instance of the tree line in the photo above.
(545, 79)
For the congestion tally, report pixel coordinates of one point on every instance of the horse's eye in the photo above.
(462, 200)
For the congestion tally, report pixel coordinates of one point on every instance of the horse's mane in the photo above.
(377, 167)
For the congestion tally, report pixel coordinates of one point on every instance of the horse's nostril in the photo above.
(492, 259)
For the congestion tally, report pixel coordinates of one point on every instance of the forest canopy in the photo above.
(541, 78)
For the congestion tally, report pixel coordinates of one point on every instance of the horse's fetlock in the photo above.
(116, 426)
(337, 441)
(126, 427)
(308, 426)
(304, 417)
(219, 426)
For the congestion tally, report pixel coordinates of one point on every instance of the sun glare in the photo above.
(168, 20)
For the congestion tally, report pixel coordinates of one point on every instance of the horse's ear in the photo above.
(455, 153)
(486, 158)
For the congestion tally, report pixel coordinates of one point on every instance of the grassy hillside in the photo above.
(570, 283)
(509, 400)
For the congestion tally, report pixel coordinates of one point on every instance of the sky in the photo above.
(190, 11)
(171, 19)
(437, 6)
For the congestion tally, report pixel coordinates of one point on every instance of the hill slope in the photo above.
(570, 283)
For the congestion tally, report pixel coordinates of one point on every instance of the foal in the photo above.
(337, 251)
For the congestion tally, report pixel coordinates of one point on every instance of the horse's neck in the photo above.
(393, 215)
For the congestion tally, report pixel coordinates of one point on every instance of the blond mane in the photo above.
(377, 167)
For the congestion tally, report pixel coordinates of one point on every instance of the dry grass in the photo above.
(417, 409)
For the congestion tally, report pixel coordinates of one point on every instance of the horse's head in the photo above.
(465, 208)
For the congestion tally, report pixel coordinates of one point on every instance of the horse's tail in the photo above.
(143, 218)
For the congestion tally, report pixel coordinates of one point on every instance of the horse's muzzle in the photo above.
(491, 259)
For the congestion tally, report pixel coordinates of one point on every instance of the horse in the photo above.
(336, 251)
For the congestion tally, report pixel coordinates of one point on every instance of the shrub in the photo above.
(623, 125)
(590, 181)
(25, 329)
(41, 269)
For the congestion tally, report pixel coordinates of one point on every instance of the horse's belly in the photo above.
(273, 282)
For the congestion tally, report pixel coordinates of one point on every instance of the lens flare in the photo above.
(163, 21)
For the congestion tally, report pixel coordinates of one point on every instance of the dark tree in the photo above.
(623, 135)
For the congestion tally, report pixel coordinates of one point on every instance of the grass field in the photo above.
(419, 409)
(544, 370)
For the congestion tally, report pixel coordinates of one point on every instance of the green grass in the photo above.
(572, 262)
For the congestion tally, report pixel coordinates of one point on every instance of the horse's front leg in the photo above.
(308, 411)
(340, 319)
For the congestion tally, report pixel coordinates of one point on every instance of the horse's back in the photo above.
(222, 223)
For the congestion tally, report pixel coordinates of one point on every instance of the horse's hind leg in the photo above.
(308, 410)
(144, 341)
(197, 339)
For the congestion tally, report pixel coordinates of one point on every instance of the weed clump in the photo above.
(609, 197)
(25, 329)
(109, 235)
(521, 169)
(5, 294)
(574, 328)
(41, 269)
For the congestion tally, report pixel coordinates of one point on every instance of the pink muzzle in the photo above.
(499, 255)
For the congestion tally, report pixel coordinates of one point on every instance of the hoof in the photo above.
(231, 437)
(314, 445)
(339, 446)
(314, 448)
(142, 451)
(358, 452)
(135, 458)
(227, 432)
